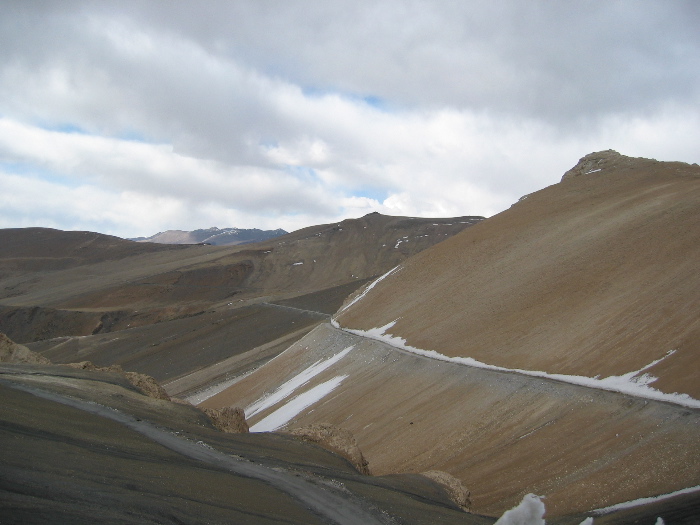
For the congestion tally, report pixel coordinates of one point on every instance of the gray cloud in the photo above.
(306, 112)
(561, 60)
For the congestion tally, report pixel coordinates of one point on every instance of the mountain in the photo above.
(551, 349)
(612, 254)
(77, 296)
(27, 250)
(215, 236)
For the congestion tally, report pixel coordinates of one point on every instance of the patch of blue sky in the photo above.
(368, 192)
(374, 101)
(129, 134)
(302, 172)
(318, 92)
(37, 172)
(133, 135)
(64, 127)
(269, 143)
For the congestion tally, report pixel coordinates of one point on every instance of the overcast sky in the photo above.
(131, 118)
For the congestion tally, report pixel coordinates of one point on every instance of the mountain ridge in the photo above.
(213, 235)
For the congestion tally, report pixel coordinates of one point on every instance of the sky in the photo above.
(135, 117)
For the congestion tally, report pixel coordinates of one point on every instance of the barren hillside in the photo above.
(598, 275)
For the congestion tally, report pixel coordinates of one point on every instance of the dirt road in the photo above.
(325, 497)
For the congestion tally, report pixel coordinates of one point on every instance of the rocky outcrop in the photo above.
(454, 487)
(145, 383)
(228, 419)
(89, 365)
(11, 352)
(611, 159)
(593, 163)
(335, 439)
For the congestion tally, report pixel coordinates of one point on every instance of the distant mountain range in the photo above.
(214, 236)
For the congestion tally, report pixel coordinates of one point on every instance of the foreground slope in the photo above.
(502, 434)
(479, 356)
(86, 447)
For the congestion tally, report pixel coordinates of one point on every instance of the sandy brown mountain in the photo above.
(595, 277)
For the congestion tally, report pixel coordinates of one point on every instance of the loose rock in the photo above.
(228, 419)
(11, 352)
(335, 439)
(455, 489)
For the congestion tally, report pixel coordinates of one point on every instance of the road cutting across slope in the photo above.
(635, 383)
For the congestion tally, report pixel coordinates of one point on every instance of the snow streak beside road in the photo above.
(634, 383)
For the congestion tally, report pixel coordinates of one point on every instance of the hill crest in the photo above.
(215, 236)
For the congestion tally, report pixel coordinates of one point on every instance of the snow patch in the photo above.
(288, 387)
(202, 395)
(645, 501)
(630, 383)
(286, 412)
(371, 285)
(399, 241)
(528, 512)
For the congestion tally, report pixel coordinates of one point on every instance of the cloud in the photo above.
(282, 115)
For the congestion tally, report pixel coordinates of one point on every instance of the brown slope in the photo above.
(333, 254)
(596, 275)
(60, 249)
